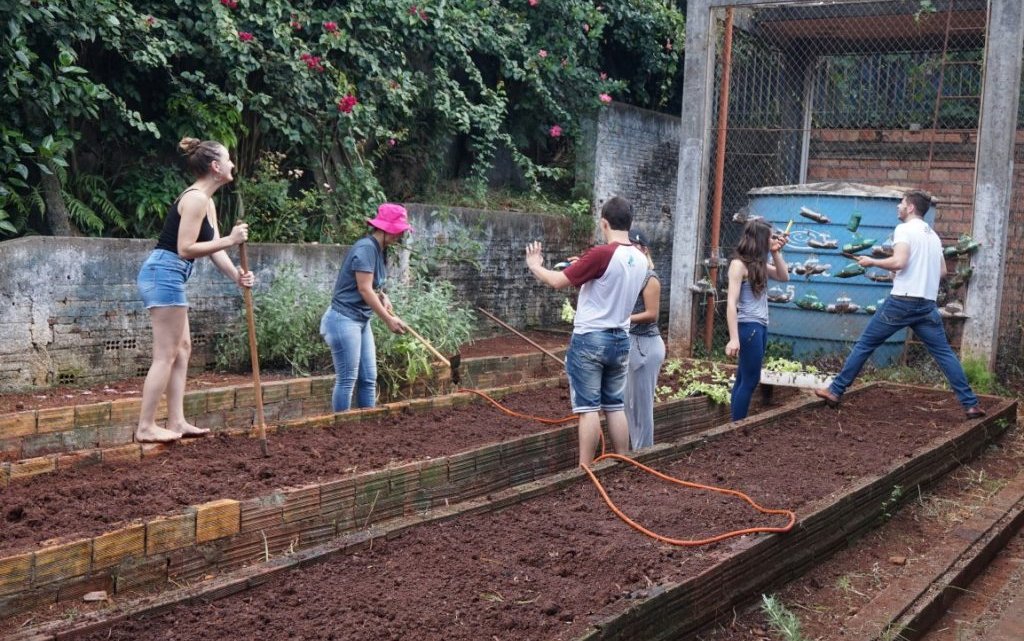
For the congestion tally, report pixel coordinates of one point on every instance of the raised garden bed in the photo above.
(316, 484)
(560, 566)
(68, 420)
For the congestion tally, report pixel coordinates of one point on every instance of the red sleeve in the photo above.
(591, 265)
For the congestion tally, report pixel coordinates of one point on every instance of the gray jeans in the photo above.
(646, 353)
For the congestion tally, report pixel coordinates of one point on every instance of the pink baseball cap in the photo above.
(391, 218)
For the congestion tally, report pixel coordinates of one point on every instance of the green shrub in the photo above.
(430, 309)
(287, 317)
(981, 378)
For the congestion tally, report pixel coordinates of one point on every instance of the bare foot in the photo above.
(187, 430)
(155, 434)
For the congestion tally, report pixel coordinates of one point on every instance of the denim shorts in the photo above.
(162, 279)
(597, 363)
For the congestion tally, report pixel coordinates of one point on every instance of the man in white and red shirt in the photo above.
(610, 278)
(918, 263)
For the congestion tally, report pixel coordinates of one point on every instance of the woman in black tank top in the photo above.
(190, 232)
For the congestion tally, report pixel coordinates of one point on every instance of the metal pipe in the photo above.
(716, 205)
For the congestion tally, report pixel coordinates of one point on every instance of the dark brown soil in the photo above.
(91, 500)
(506, 344)
(825, 598)
(115, 390)
(547, 568)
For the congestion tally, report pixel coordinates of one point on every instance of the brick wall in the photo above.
(900, 157)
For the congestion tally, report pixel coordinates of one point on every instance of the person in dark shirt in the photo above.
(190, 232)
(359, 292)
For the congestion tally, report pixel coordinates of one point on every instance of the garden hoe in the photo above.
(247, 295)
(453, 363)
(511, 329)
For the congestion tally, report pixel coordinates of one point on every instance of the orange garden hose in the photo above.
(633, 524)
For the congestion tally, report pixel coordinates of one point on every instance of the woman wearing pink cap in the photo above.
(358, 293)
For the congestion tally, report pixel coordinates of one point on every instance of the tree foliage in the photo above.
(369, 98)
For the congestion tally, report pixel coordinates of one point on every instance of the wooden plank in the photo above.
(61, 562)
(114, 547)
(217, 519)
(170, 533)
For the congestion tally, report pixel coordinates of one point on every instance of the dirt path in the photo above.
(545, 569)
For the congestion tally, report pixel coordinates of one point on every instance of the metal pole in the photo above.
(716, 206)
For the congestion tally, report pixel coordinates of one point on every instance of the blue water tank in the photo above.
(815, 332)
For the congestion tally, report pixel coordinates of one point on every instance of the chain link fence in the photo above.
(882, 94)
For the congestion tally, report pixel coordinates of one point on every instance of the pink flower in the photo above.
(331, 27)
(586, 28)
(543, 53)
(346, 104)
(151, 21)
(534, 3)
(605, 98)
(603, 76)
(296, 25)
(312, 62)
(555, 131)
(392, 142)
(244, 36)
(230, 4)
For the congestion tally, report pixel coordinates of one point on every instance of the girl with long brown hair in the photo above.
(747, 306)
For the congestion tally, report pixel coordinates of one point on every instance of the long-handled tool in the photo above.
(514, 331)
(247, 295)
(453, 363)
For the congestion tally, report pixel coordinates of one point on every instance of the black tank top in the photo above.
(169, 236)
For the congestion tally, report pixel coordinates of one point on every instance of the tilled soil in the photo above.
(90, 500)
(116, 390)
(548, 567)
(832, 593)
(506, 344)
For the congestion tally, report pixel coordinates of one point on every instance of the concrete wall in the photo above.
(635, 155)
(70, 312)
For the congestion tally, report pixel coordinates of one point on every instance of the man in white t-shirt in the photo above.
(918, 263)
(610, 277)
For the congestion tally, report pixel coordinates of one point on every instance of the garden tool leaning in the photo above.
(452, 363)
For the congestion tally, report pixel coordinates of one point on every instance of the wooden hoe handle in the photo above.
(257, 388)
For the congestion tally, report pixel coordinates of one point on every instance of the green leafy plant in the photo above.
(781, 620)
(891, 504)
(430, 308)
(712, 382)
(287, 315)
(568, 314)
(784, 365)
(145, 194)
(979, 376)
(431, 254)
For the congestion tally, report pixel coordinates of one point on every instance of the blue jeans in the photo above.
(596, 364)
(355, 359)
(161, 280)
(922, 316)
(753, 342)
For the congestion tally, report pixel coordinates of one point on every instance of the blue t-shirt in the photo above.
(365, 255)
